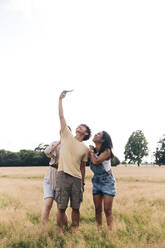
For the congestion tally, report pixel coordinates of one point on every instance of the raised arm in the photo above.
(61, 114)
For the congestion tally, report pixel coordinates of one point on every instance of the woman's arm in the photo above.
(101, 158)
(50, 149)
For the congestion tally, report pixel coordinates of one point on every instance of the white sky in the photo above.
(112, 53)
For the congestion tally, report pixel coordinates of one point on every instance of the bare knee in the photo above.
(48, 203)
(61, 211)
(76, 211)
(98, 210)
(108, 211)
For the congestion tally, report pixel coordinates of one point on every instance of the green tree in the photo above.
(8, 158)
(12, 158)
(2, 157)
(160, 151)
(41, 147)
(33, 158)
(23, 158)
(136, 148)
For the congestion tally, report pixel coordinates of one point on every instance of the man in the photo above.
(71, 170)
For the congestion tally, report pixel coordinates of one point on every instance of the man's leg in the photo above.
(75, 218)
(48, 202)
(61, 218)
(62, 197)
(76, 199)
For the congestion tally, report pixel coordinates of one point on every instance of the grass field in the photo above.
(139, 211)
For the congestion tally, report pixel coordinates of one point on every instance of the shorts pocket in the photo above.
(76, 199)
(77, 196)
(81, 195)
(105, 180)
(58, 196)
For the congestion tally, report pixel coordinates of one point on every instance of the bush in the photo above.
(23, 158)
(115, 161)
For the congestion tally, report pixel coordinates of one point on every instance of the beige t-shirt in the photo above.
(72, 152)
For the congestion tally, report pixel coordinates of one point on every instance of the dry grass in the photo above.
(139, 211)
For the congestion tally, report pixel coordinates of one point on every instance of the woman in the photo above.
(104, 186)
(52, 151)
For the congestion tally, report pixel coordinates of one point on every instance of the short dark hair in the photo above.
(86, 137)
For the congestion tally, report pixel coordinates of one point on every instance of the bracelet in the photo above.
(92, 151)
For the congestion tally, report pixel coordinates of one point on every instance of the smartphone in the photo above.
(66, 91)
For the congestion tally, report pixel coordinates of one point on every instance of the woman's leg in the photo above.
(108, 200)
(97, 199)
(48, 202)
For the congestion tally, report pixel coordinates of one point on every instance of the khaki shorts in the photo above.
(68, 187)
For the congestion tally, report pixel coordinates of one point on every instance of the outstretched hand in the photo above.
(63, 94)
(54, 146)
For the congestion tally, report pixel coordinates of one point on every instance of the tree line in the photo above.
(34, 157)
(23, 158)
(135, 151)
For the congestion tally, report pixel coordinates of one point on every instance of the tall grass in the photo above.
(139, 212)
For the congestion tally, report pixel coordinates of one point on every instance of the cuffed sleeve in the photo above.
(49, 150)
(85, 156)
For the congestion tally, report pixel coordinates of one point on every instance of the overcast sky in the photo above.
(112, 53)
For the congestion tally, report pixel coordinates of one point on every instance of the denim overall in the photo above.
(103, 183)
